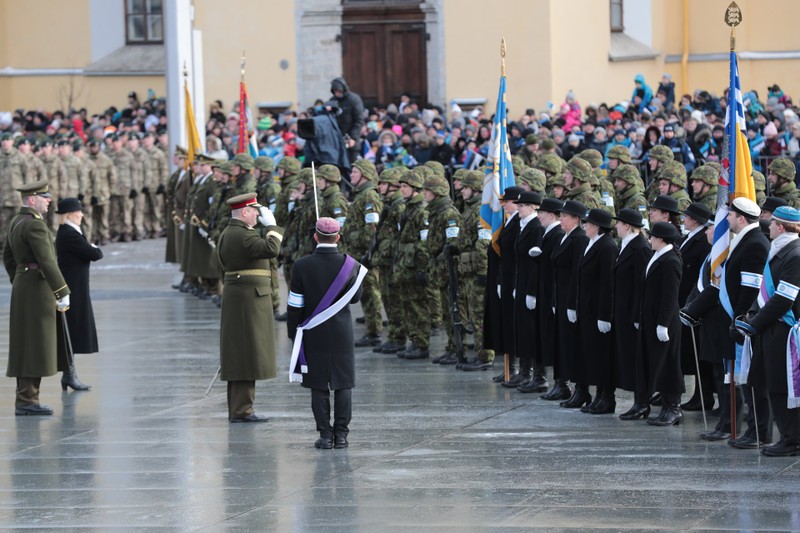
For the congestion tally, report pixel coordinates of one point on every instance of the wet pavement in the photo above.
(430, 448)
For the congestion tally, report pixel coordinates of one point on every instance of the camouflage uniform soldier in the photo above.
(156, 187)
(139, 170)
(332, 203)
(528, 153)
(266, 186)
(56, 176)
(288, 168)
(218, 215)
(559, 187)
(76, 172)
(599, 182)
(383, 257)
(458, 175)
(444, 225)
(34, 168)
(760, 183)
(672, 182)
(290, 246)
(780, 174)
(659, 156)
(617, 155)
(308, 218)
(409, 269)
(704, 186)
(12, 168)
(473, 242)
(90, 174)
(122, 196)
(531, 179)
(550, 164)
(576, 178)
(433, 291)
(359, 233)
(437, 168)
(105, 182)
(629, 193)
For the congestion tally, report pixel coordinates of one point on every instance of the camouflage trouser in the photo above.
(475, 295)
(5, 219)
(276, 283)
(434, 305)
(100, 220)
(120, 215)
(137, 215)
(371, 302)
(88, 222)
(392, 304)
(152, 213)
(415, 303)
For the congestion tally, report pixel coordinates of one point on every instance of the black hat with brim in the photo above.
(529, 198)
(576, 209)
(630, 216)
(512, 193)
(68, 205)
(664, 231)
(699, 212)
(600, 217)
(665, 203)
(551, 205)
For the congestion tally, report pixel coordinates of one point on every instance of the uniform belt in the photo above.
(248, 272)
(27, 266)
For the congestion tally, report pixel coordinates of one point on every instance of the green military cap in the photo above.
(241, 201)
(180, 151)
(473, 179)
(203, 159)
(531, 138)
(245, 161)
(367, 169)
(707, 174)
(593, 157)
(21, 141)
(627, 173)
(783, 168)
(36, 188)
(460, 173)
(547, 144)
(661, 153)
(549, 163)
(675, 172)
(264, 164)
(580, 169)
(414, 177)
(5, 136)
(437, 185)
(535, 178)
(217, 163)
(305, 176)
(329, 173)
(437, 167)
(759, 181)
(518, 164)
(77, 144)
(620, 152)
(289, 164)
(226, 167)
(390, 176)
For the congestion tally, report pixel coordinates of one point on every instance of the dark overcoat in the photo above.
(201, 257)
(329, 347)
(75, 255)
(36, 283)
(628, 281)
(527, 273)
(247, 327)
(545, 301)
(712, 334)
(506, 279)
(693, 252)
(565, 264)
(492, 308)
(592, 362)
(661, 360)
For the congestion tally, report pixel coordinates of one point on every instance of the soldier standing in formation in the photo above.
(780, 175)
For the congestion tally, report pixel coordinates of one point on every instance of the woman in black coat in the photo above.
(660, 326)
(75, 254)
(592, 364)
(629, 270)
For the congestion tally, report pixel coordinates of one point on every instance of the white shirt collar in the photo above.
(73, 226)
(524, 221)
(656, 255)
(567, 233)
(626, 240)
(691, 234)
(591, 242)
(326, 245)
(739, 236)
(551, 226)
(511, 217)
(780, 242)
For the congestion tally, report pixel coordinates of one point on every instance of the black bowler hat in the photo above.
(512, 193)
(665, 203)
(551, 205)
(600, 217)
(665, 231)
(529, 197)
(630, 216)
(68, 205)
(576, 209)
(699, 212)
(771, 203)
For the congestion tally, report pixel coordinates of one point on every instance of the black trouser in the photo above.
(724, 395)
(787, 420)
(342, 410)
(760, 412)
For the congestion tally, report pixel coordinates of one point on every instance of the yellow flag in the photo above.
(193, 147)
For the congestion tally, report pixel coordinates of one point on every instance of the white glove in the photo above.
(535, 252)
(212, 244)
(530, 302)
(499, 291)
(603, 326)
(182, 226)
(94, 245)
(203, 233)
(266, 218)
(662, 333)
(636, 325)
(553, 309)
(62, 305)
(514, 294)
(572, 315)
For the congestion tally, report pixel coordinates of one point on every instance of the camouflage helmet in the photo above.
(580, 169)
(783, 168)
(437, 185)
(414, 177)
(436, 167)
(245, 161)
(460, 173)
(531, 138)
(707, 174)
(661, 153)
(547, 144)
(264, 164)
(627, 173)
(424, 172)
(558, 179)
(226, 167)
(289, 164)
(620, 152)
(367, 169)
(675, 172)
(329, 173)
(592, 156)
(759, 181)
(390, 176)
(305, 176)
(549, 163)
(473, 180)
(535, 178)
(518, 164)
(716, 166)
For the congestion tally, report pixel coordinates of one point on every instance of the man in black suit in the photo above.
(323, 285)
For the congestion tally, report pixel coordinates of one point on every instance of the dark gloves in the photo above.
(741, 328)
(421, 279)
(94, 200)
(133, 194)
(145, 190)
(161, 189)
(81, 197)
(687, 319)
(453, 250)
(480, 279)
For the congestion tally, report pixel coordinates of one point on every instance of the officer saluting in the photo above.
(38, 291)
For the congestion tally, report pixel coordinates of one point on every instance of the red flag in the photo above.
(242, 144)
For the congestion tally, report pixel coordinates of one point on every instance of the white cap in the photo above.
(746, 206)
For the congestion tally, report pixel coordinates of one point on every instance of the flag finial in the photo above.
(733, 17)
(502, 56)
(185, 71)
(242, 65)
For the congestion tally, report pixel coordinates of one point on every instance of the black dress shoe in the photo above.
(668, 417)
(282, 317)
(361, 320)
(783, 448)
(340, 441)
(416, 352)
(715, 412)
(637, 411)
(514, 381)
(370, 339)
(537, 384)
(746, 442)
(324, 443)
(392, 347)
(715, 435)
(33, 409)
(588, 408)
(560, 391)
(499, 378)
(604, 407)
(655, 399)
(476, 365)
(579, 399)
(251, 419)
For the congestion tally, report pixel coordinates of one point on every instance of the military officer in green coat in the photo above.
(38, 292)
(247, 330)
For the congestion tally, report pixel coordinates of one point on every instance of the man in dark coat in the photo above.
(350, 117)
(323, 285)
(247, 329)
(75, 254)
(38, 291)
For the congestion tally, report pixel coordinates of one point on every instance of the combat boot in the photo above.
(416, 352)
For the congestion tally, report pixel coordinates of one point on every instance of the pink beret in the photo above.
(327, 226)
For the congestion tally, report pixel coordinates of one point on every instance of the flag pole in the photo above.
(314, 184)
(506, 356)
